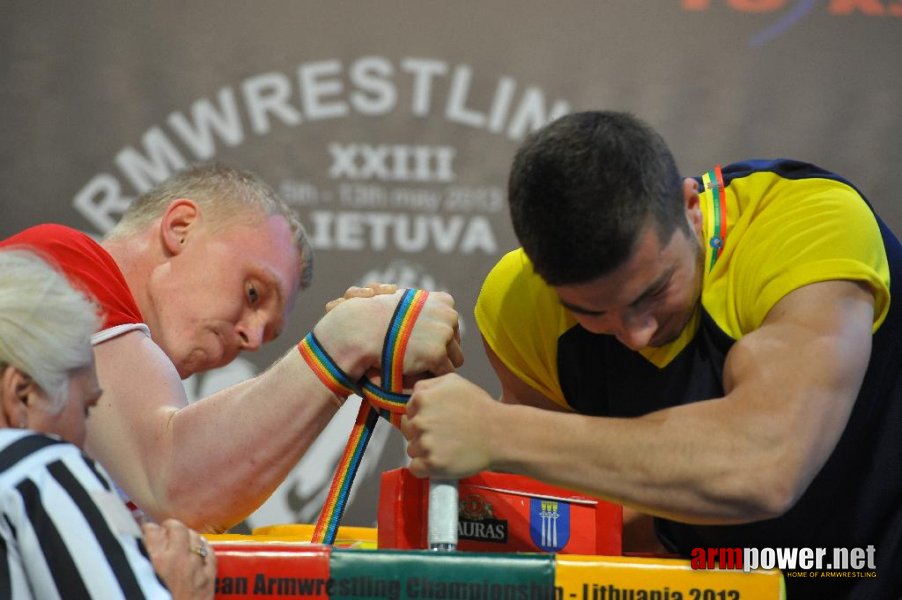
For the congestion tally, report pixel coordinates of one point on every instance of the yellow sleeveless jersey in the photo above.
(786, 225)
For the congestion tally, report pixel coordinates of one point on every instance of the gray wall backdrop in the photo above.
(390, 125)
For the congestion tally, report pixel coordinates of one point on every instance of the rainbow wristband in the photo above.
(325, 369)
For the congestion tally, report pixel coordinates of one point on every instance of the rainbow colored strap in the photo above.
(387, 401)
(713, 181)
(326, 370)
(340, 490)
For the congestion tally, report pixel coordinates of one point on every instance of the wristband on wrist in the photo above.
(326, 369)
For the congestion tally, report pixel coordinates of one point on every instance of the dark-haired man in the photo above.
(727, 344)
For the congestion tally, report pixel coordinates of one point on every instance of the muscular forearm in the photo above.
(705, 462)
(670, 464)
(213, 462)
(250, 437)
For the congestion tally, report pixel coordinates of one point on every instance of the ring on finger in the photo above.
(201, 550)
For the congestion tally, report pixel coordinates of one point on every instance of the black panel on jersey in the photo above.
(633, 386)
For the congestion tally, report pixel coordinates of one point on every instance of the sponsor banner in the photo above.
(432, 575)
(251, 568)
(624, 578)
(257, 567)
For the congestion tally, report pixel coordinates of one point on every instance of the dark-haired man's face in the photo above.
(649, 299)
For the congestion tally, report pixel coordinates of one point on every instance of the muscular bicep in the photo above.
(796, 378)
(128, 429)
(514, 390)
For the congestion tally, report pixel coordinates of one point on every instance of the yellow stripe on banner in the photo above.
(364, 538)
(602, 577)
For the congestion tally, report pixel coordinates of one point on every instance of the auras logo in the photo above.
(789, 13)
(477, 522)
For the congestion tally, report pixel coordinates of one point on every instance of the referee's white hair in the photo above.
(45, 324)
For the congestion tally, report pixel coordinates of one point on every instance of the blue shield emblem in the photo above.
(549, 523)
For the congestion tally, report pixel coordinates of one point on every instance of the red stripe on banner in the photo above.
(272, 569)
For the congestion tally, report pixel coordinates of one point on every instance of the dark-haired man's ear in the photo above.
(692, 202)
(179, 220)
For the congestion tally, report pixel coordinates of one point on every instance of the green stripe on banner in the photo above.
(398, 574)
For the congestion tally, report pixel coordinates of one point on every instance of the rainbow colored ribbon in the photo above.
(325, 369)
(713, 181)
(387, 401)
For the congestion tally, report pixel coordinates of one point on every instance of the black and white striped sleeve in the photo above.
(65, 532)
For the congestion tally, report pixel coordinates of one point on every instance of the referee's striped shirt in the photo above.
(64, 533)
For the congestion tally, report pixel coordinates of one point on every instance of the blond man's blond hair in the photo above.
(226, 195)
